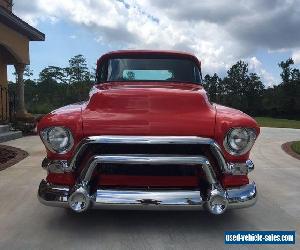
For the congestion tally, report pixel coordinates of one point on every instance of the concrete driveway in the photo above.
(26, 224)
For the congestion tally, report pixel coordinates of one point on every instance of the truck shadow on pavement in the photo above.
(138, 222)
(120, 229)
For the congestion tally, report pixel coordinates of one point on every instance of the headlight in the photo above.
(239, 141)
(57, 139)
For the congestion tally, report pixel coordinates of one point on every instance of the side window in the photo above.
(198, 75)
(102, 73)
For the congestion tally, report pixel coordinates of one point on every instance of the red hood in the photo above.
(154, 108)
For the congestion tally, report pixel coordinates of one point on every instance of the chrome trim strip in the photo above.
(91, 165)
(217, 152)
(148, 198)
(114, 139)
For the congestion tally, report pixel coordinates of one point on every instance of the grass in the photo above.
(277, 123)
(296, 147)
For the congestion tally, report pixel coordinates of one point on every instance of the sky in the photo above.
(219, 33)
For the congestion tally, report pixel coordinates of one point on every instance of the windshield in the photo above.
(149, 69)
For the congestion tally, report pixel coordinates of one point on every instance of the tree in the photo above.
(289, 90)
(283, 100)
(253, 94)
(28, 73)
(286, 70)
(53, 73)
(79, 77)
(78, 70)
(214, 87)
(238, 89)
(235, 84)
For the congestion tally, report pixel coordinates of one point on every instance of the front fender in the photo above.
(227, 118)
(70, 117)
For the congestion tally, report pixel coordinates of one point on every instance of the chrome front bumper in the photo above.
(215, 199)
(53, 195)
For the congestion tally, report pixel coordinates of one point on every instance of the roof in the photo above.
(124, 53)
(17, 24)
(173, 52)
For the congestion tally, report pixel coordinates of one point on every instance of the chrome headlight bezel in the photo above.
(229, 140)
(45, 135)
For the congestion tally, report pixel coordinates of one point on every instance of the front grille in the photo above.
(147, 149)
(148, 170)
(121, 172)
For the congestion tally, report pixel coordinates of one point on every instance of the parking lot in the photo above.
(26, 224)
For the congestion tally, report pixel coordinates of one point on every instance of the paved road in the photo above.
(26, 224)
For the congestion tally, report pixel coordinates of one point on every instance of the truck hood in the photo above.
(154, 108)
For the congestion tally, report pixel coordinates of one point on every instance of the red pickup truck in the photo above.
(148, 138)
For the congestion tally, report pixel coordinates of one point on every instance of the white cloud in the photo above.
(132, 25)
(256, 66)
(267, 78)
(218, 32)
(296, 56)
(254, 63)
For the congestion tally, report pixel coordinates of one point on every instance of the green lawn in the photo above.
(296, 147)
(277, 123)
